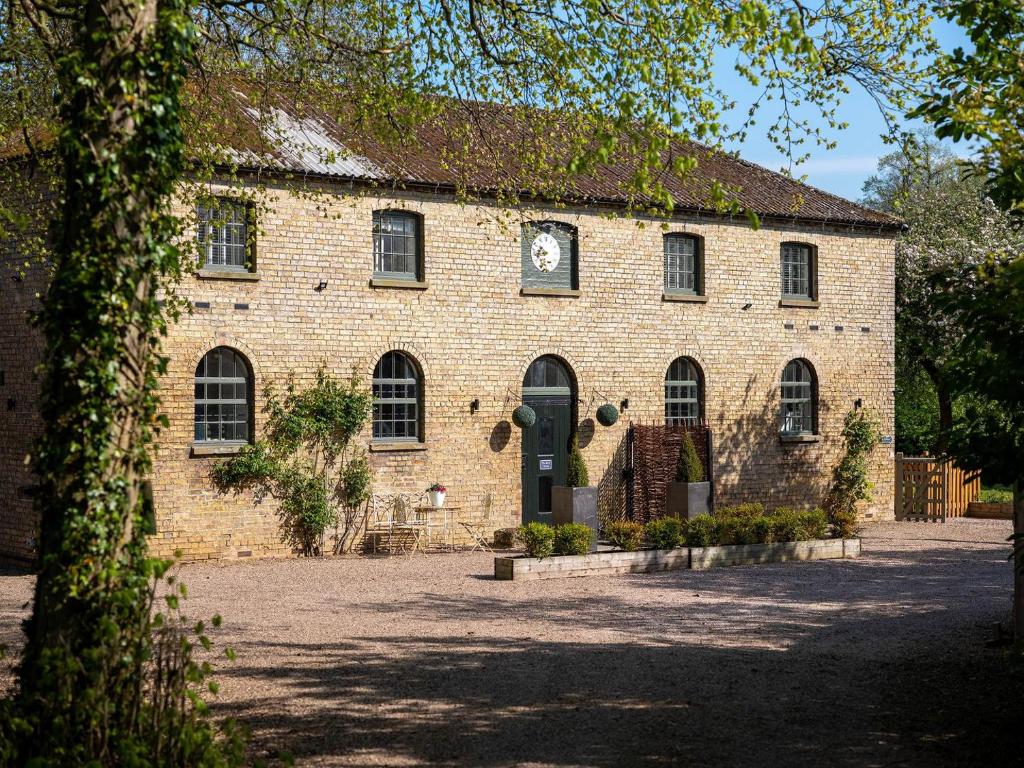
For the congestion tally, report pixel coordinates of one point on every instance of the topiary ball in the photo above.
(524, 417)
(607, 415)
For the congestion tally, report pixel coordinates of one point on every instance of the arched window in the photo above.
(684, 392)
(548, 374)
(799, 407)
(397, 245)
(397, 389)
(683, 264)
(223, 397)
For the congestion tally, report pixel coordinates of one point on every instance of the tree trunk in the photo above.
(121, 152)
(1018, 560)
(945, 397)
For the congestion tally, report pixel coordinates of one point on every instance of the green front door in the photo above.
(545, 454)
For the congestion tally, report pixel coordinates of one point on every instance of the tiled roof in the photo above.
(433, 157)
(477, 147)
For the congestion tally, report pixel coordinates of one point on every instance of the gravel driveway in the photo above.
(428, 660)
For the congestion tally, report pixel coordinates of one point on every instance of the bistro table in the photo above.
(442, 521)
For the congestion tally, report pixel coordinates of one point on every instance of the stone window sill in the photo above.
(227, 274)
(566, 292)
(798, 439)
(799, 303)
(383, 447)
(216, 449)
(390, 282)
(689, 298)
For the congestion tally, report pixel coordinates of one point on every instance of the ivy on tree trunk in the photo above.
(121, 153)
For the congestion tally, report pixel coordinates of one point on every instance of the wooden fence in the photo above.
(932, 489)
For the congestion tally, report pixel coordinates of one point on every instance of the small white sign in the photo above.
(545, 464)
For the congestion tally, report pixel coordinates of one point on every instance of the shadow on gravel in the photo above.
(789, 679)
(458, 702)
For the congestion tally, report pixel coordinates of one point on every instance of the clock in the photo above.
(545, 252)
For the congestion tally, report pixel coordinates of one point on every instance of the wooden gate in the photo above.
(932, 489)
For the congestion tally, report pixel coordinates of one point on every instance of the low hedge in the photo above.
(749, 524)
(538, 539)
(740, 524)
(573, 539)
(666, 533)
(624, 534)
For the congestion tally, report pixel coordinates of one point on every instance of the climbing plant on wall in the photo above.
(306, 460)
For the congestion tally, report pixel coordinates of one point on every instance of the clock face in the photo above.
(545, 252)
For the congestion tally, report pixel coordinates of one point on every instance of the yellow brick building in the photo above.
(469, 295)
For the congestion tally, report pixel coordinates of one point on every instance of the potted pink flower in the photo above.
(436, 493)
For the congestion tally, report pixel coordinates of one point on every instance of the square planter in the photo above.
(685, 500)
(575, 505)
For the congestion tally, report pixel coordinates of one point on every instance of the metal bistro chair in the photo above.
(478, 530)
(410, 524)
(390, 523)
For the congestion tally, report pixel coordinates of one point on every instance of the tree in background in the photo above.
(952, 227)
(95, 98)
(979, 96)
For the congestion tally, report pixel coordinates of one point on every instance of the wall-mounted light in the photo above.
(747, 306)
(322, 286)
(624, 404)
(474, 406)
(857, 404)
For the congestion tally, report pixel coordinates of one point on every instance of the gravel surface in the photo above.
(880, 661)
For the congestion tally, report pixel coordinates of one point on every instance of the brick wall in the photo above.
(474, 335)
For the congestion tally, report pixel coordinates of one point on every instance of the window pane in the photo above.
(797, 399)
(683, 384)
(681, 263)
(222, 235)
(395, 246)
(796, 270)
(395, 389)
(222, 393)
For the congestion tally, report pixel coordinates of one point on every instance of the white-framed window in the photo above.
(397, 245)
(223, 232)
(397, 396)
(799, 399)
(223, 397)
(684, 392)
(799, 278)
(683, 264)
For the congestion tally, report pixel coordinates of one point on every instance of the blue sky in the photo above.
(842, 170)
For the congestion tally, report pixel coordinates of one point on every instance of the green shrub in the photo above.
(666, 533)
(738, 530)
(538, 539)
(767, 529)
(625, 534)
(786, 524)
(701, 531)
(748, 510)
(576, 475)
(813, 524)
(996, 495)
(688, 466)
(607, 415)
(573, 539)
